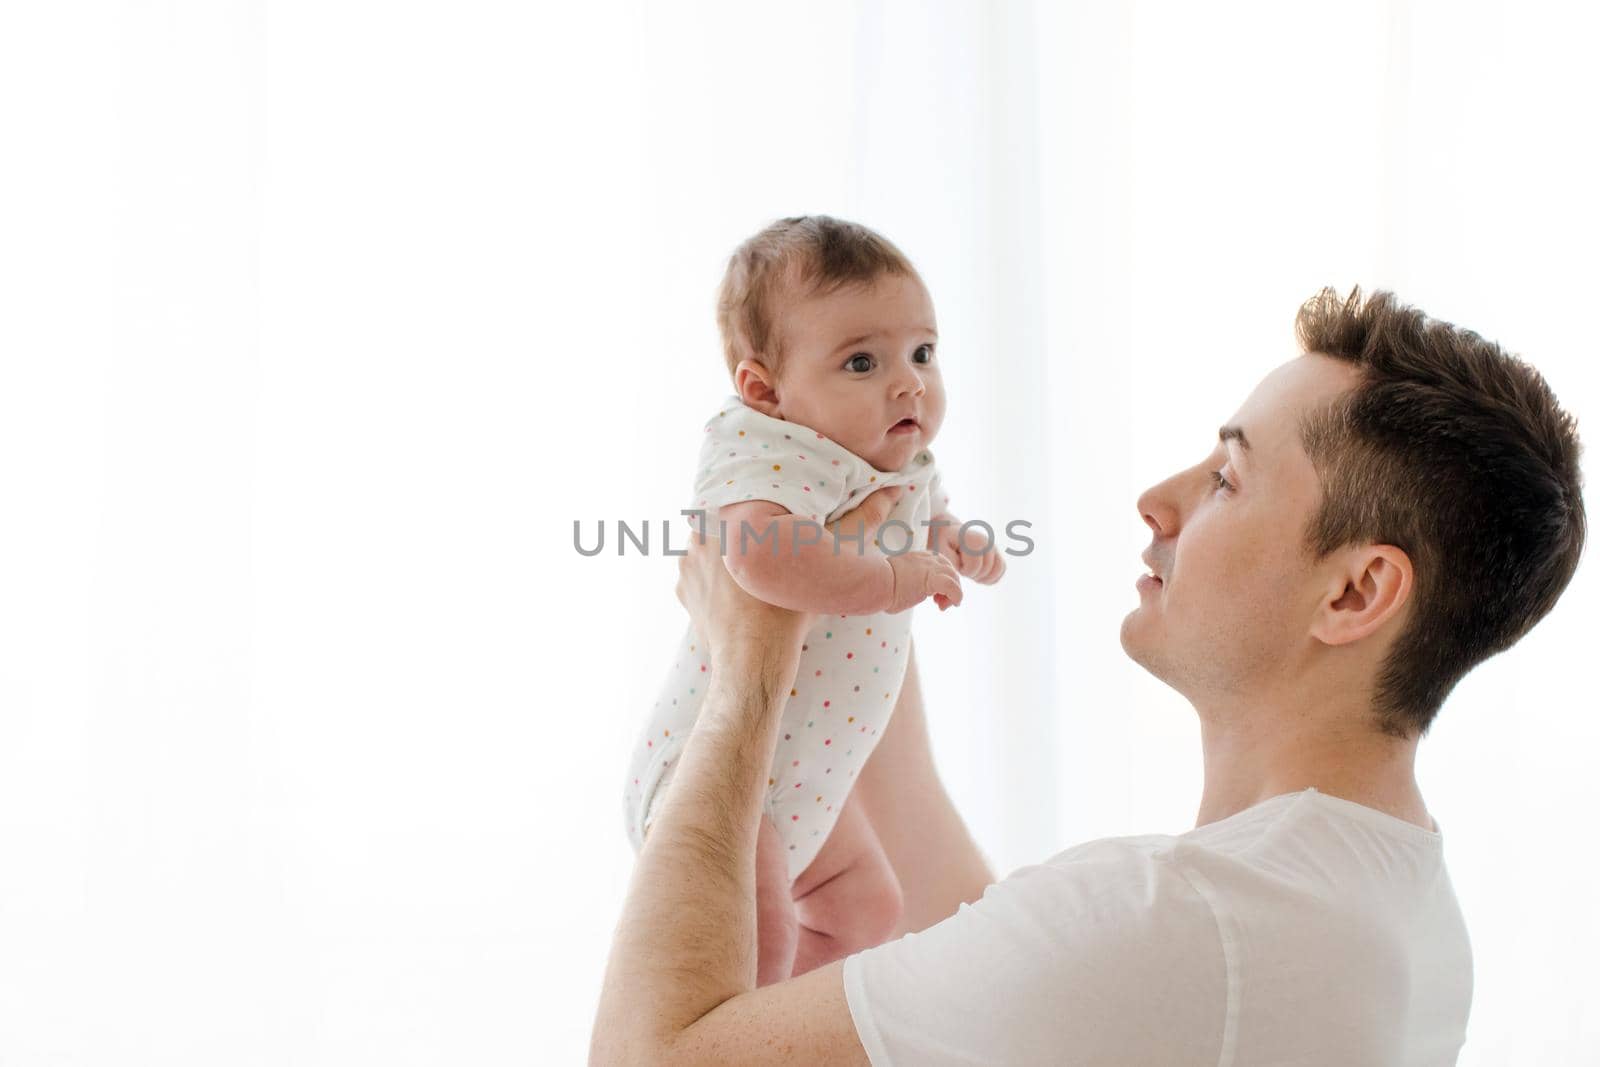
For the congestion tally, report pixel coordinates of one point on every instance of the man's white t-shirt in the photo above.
(1304, 930)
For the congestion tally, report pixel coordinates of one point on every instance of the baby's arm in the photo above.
(794, 564)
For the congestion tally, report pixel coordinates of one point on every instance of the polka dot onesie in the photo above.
(850, 667)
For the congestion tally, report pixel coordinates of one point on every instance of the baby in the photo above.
(829, 336)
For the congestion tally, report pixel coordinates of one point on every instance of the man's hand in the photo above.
(722, 613)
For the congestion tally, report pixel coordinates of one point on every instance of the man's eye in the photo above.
(859, 362)
(923, 354)
(1220, 482)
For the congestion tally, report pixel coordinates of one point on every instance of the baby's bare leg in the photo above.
(777, 929)
(849, 898)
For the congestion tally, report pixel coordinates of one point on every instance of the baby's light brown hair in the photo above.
(802, 256)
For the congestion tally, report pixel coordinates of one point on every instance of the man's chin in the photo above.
(1147, 654)
(1136, 643)
(1129, 634)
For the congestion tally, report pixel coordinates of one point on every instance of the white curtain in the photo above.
(320, 325)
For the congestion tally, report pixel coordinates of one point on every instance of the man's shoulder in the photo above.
(1300, 861)
(1312, 876)
(1325, 845)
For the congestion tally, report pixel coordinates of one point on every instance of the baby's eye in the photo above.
(923, 354)
(859, 362)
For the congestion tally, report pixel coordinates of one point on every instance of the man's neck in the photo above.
(1255, 754)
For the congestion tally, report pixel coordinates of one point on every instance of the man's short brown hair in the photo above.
(804, 255)
(1457, 453)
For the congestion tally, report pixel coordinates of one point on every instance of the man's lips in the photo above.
(1152, 580)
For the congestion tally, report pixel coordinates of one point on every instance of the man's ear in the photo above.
(1371, 586)
(757, 386)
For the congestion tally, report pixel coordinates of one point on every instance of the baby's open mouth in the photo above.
(904, 426)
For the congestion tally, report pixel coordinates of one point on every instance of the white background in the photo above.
(320, 324)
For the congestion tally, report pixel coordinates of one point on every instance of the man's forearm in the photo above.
(686, 939)
(927, 842)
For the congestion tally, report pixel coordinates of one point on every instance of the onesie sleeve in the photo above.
(938, 498)
(1112, 960)
(746, 455)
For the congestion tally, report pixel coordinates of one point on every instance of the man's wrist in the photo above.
(750, 683)
(769, 651)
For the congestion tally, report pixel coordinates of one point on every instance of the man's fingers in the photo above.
(877, 506)
(698, 554)
(685, 577)
(710, 531)
(871, 512)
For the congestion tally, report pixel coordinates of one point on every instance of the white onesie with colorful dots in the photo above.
(850, 667)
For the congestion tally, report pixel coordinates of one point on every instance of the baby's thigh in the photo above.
(850, 890)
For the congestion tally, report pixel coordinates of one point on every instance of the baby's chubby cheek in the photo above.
(832, 424)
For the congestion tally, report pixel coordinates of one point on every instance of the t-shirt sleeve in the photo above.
(1115, 959)
(747, 456)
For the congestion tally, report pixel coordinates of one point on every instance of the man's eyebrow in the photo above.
(1234, 433)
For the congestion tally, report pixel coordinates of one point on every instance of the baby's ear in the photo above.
(757, 386)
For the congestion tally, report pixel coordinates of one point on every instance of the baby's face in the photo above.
(858, 363)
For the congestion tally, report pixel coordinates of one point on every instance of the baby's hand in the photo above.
(919, 575)
(969, 555)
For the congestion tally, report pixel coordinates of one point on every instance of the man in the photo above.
(1384, 512)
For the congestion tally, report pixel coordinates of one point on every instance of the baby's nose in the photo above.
(909, 381)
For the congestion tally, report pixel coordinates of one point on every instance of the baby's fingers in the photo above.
(991, 565)
(998, 569)
(947, 585)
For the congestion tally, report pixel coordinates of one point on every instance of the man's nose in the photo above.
(1158, 511)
